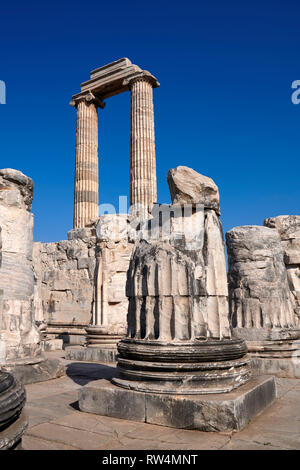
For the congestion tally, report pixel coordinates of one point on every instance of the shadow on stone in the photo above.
(83, 373)
(75, 405)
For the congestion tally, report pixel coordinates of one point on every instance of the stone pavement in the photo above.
(55, 423)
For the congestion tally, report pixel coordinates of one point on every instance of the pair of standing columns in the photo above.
(142, 151)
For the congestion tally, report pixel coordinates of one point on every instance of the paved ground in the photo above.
(56, 423)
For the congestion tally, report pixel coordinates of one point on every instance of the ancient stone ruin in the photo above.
(105, 82)
(80, 282)
(179, 359)
(196, 347)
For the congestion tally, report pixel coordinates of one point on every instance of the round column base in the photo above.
(35, 369)
(286, 348)
(13, 422)
(215, 366)
(99, 337)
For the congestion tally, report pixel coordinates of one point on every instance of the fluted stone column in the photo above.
(143, 189)
(86, 192)
(288, 227)
(13, 421)
(20, 338)
(179, 339)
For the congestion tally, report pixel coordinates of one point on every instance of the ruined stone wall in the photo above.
(64, 282)
(80, 278)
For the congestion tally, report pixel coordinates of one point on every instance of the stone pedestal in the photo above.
(207, 412)
(101, 346)
(38, 369)
(179, 355)
(19, 333)
(261, 304)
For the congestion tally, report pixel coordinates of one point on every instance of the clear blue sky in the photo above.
(224, 106)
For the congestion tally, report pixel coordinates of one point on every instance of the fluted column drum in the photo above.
(262, 306)
(167, 348)
(86, 196)
(142, 145)
(179, 339)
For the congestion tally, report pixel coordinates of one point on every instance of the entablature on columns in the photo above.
(112, 79)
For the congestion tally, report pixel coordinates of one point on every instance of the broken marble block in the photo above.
(189, 187)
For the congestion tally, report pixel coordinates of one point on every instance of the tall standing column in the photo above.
(142, 143)
(86, 192)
